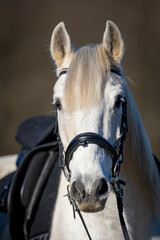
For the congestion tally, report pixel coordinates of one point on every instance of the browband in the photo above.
(113, 70)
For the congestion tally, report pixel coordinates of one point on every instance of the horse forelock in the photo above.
(86, 77)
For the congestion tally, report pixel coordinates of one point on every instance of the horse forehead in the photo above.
(92, 118)
(85, 118)
(110, 88)
(89, 111)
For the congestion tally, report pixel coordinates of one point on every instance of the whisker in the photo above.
(54, 111)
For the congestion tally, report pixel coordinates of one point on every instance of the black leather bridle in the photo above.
(115, 151)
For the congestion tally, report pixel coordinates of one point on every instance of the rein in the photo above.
(116, 153)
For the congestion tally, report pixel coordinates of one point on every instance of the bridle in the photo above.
(115, 151)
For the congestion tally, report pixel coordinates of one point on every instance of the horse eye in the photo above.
(119, 101)
(58, 104)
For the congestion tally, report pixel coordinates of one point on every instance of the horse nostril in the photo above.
(77, 190)
(102, 188)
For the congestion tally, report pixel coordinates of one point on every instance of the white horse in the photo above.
(89, 98)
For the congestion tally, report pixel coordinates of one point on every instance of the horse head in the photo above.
(89, 96)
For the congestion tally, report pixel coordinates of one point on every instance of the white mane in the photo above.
(140, 155)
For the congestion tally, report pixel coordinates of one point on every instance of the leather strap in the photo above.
(121, 218)
(86, 138)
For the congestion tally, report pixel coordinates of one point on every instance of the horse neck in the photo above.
(139, 168)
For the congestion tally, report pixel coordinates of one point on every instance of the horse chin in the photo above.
(92, 207)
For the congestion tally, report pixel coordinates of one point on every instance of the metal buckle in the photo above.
(115, 170)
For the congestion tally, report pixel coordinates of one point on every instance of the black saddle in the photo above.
(32, 194)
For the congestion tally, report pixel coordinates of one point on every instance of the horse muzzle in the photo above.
(93, 200)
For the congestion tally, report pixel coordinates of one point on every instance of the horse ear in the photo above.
(60, 44)
(113, 41)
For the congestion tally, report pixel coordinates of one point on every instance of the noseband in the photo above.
(115, 151)
(86, 138)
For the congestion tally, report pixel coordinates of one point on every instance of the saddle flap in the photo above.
(32, 175)
(18, 199)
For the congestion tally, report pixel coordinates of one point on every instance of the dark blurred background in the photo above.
(27, 71)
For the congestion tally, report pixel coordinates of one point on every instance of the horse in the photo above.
(92, 99)
(102, 145)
